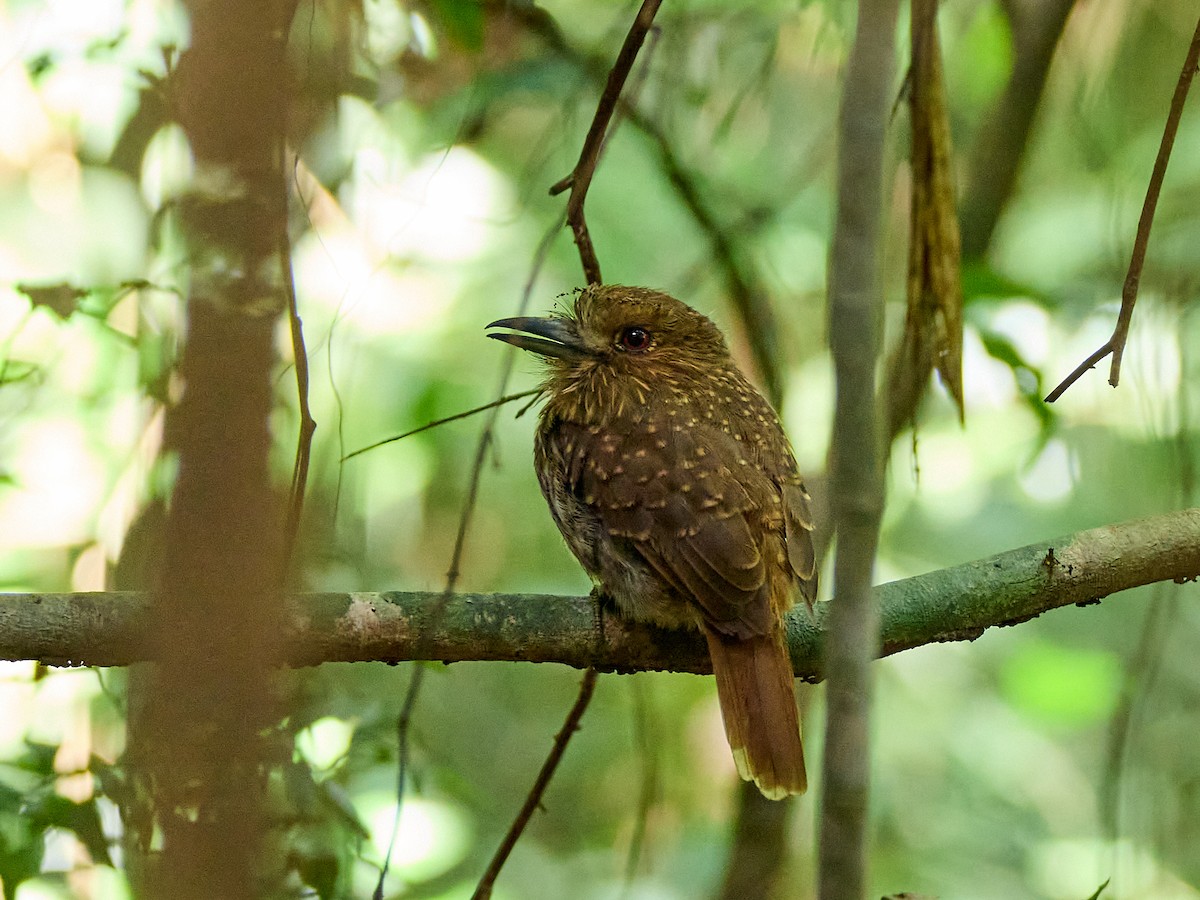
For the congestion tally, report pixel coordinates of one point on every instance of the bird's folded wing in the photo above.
(697, 515)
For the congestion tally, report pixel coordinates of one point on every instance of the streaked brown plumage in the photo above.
(674, 485)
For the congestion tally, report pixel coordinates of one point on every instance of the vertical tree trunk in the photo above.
(855, 318)
(199, 747)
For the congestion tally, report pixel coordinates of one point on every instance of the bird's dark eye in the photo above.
(634, 338)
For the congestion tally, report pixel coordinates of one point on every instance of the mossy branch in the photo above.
(952, 604)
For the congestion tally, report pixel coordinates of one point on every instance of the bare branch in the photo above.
(581, 177)
(308, 425)
(746, 295)
(1116, 344)
(954, 604)
(484, 889)
(438, 607)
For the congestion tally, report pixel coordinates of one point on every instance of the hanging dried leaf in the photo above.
(933, 326)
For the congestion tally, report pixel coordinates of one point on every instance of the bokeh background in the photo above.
(1034, 762)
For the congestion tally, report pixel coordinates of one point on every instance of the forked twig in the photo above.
(586, 687)
(1116, 344)
(745, 293)
(581, 176)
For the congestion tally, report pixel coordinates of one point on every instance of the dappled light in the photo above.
(418, 149)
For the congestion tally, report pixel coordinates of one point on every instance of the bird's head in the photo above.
(615, 330)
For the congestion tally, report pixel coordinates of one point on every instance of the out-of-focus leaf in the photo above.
(1062, 686)
(933, 325)
(27, 810)
(14, 371)
(155, 354)
(328, 834)
(37, 759)
(42, 807)
(318, 869)
(461, 20)
(81, 819)
(61, 299)
(321, 799)
(21, 852)
(1028, 378)
(1100, 890)
(21, 844)
(981, 283)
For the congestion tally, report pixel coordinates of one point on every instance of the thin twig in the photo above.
(308, 424)
(403, 722)
(579, 180)
(746, 295)
(1089, 363)
(1116, 344)
(434, 424)
(1141, 672)
(586, 687)
(581, 176)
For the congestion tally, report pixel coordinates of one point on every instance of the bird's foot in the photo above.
(601, 602)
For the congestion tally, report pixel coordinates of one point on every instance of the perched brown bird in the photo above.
(674, 485)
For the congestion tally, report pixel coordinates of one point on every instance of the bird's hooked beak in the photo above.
(550, 336)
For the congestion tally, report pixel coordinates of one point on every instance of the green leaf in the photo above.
(13, 372)
(981, 283)
(1028, 378)
(21, 848)
(21, 844)
(462, 20)
(82, 819)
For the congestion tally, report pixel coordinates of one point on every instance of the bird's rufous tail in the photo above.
(754, 686)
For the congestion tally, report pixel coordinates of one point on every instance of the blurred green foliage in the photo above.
(1035, 762)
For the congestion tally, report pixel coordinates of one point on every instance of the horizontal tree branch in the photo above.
(953, 604)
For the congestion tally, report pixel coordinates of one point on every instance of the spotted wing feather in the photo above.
(674, 498)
